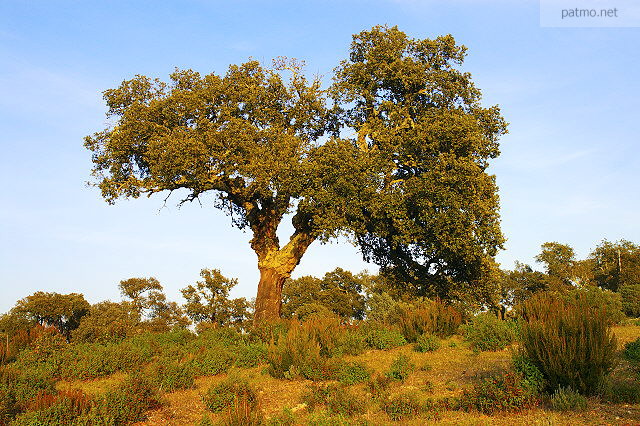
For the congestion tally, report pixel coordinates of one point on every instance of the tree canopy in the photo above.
(394, 154)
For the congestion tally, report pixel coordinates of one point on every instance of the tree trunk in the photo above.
(269, 297)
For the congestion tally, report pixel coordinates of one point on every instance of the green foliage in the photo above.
(232, 390)
(284, 418)
(411, 185)
(350, 373)
(432, 317)
(630, 294)
(403, 406)
(62, 408)
(338, 399)
(622, 391)
(339, 292)
(607, 300)
(569, 342)
(209, 300)
(63, 311)
(128, 403)
(532, 377)
(108, 322)
(566, 399)
(209, 362)
(427, 343)
(486, 332)
(169, 376)
(559, 261)
(616, 264)
(505, 393)
(250, 355)
(380, 336)
(632, 351)
(400, 369)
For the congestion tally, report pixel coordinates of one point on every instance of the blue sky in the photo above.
(568, 171)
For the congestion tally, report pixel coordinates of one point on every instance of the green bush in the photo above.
(250, 355)
(569, 342)
(62, 408)
(350, 373)
(622, 391)
(337, 399)
(632, 351)
(486, 332)
(170, 376)
(566, 399)
(506, 393)
(606, 300)
(128, 403)
(532, 377)
(401, 368)
(402, 407)
(350, 342)
(209, 362)
(427, 343)
(222, 395)
(379, 336)
(630, 294)
(429, 317)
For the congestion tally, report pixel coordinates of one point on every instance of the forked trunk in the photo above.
(269, 297)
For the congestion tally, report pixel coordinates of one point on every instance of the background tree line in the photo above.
(610, 274)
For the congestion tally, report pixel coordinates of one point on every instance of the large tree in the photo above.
(394, 154)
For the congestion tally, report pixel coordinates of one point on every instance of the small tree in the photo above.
(63, 311)
(108, 322)
(339, 291)
(209, 299)
(150, 302)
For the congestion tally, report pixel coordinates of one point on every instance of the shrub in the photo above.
(400, 368)
(61, 408)
(486, 332)
(378, 386)
(209, 362)
(430, 317)
(532, 378)
(224, 394)
(379, 336)
(427, 343)
(243, 412)
(298, 354)
(127, 403)
(632, 351)
(285, 418)
(352, 373)
(402, 407)
(338, 399)
(21, 386)
(505, 393)
(170, 376)
(566, 399)
(569, 342)
(250, 355)
(630, 294)
(606, 300)
(622, 391)
(350, 342)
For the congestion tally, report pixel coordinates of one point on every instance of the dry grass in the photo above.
(446, 371)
